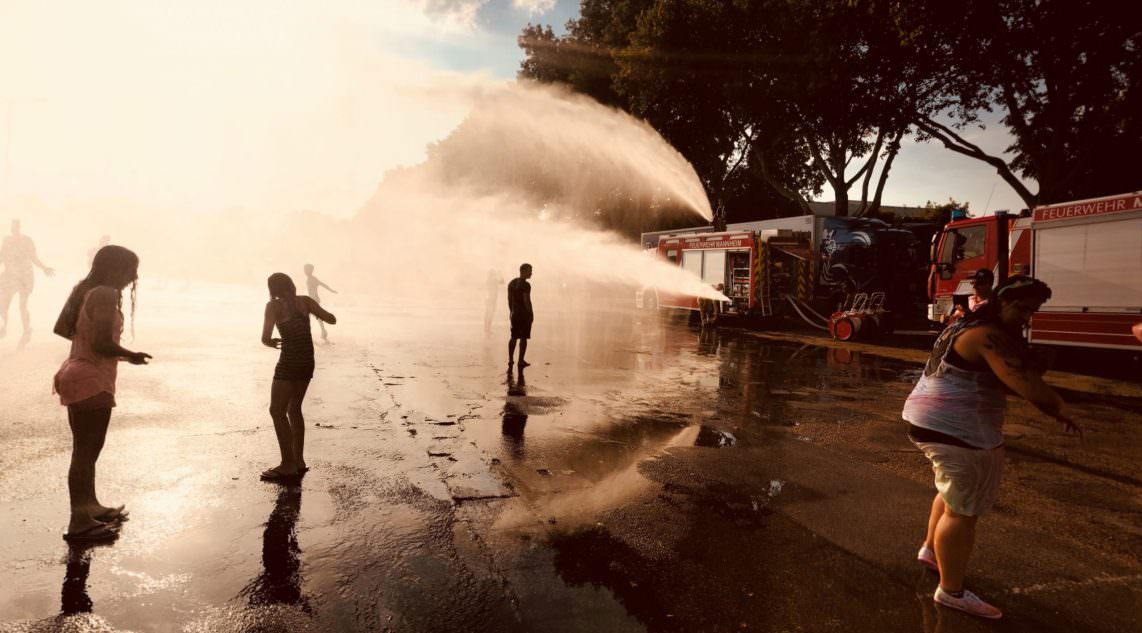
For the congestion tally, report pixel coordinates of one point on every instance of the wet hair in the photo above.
(523, 267)
(109, 261)
(282, 289)
(1016, 288)
(1020, 287)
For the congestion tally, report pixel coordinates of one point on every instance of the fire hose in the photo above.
(797, 308)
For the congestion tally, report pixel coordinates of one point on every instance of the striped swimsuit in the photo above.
(296, 360)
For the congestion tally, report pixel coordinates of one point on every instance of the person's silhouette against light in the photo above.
(92, 319)
(522, 315)
(492, 284)
(18, 256)
(290, 313)
(313, 287)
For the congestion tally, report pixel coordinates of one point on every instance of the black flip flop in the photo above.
(98, 533)
(114, 515)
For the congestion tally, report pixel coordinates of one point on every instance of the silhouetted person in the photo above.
(493, 283)
(515, 416)
(92, 319)
(519, 306)
(708, 308)
(18, 256)
(313, 287)
(290, 313)
(280, 580)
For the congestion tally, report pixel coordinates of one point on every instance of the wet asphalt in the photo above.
(642, 475)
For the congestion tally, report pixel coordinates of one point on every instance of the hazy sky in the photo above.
(275, 105)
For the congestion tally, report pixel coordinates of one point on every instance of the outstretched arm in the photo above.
(268, 327)
(326, 286)
(1016, 369)
(103, 304)
(36, 260)
(320, 312)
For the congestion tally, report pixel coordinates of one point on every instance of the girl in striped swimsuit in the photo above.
(290, 313)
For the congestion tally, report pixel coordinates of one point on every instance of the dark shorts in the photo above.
(294, 371)
(521, 327)
(102, 400)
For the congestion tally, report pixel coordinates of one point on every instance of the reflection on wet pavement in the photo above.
(280, 580)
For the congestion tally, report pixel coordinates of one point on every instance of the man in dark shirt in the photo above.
(519, 306)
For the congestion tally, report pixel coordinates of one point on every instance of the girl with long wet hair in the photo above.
(290, 313)
(92, 319)
(955, 416)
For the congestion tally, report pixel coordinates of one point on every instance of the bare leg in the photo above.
(511, 350)
(88, 432)
(933, 519)
(522, 352)
(280, 395)
(5, 303)
(297, 422)
(25, 316)
(954, 539)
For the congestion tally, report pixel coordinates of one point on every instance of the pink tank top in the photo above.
(85, 373)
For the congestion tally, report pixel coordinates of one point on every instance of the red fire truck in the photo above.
(812, 260)
(1088, 251)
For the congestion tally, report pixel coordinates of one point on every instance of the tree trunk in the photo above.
(893, 149)
(760, 166)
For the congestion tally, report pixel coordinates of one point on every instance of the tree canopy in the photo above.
(774, 100)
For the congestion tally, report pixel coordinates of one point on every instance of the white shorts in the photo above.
(966, 478)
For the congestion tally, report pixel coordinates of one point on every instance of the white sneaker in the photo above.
(927, 557)
(968, 603)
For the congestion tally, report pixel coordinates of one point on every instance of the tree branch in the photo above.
(868, 165)
(868, 176)
(819, 161)
(780, 188)
(957, 144)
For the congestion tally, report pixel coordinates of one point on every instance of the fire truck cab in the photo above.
(1088, 251)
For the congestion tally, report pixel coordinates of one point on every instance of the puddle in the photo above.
(714, 438)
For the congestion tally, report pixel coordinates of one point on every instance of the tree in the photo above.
(780, 96)
(684, 101)
(1065, 75)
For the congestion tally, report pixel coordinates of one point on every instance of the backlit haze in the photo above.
(225, 140)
